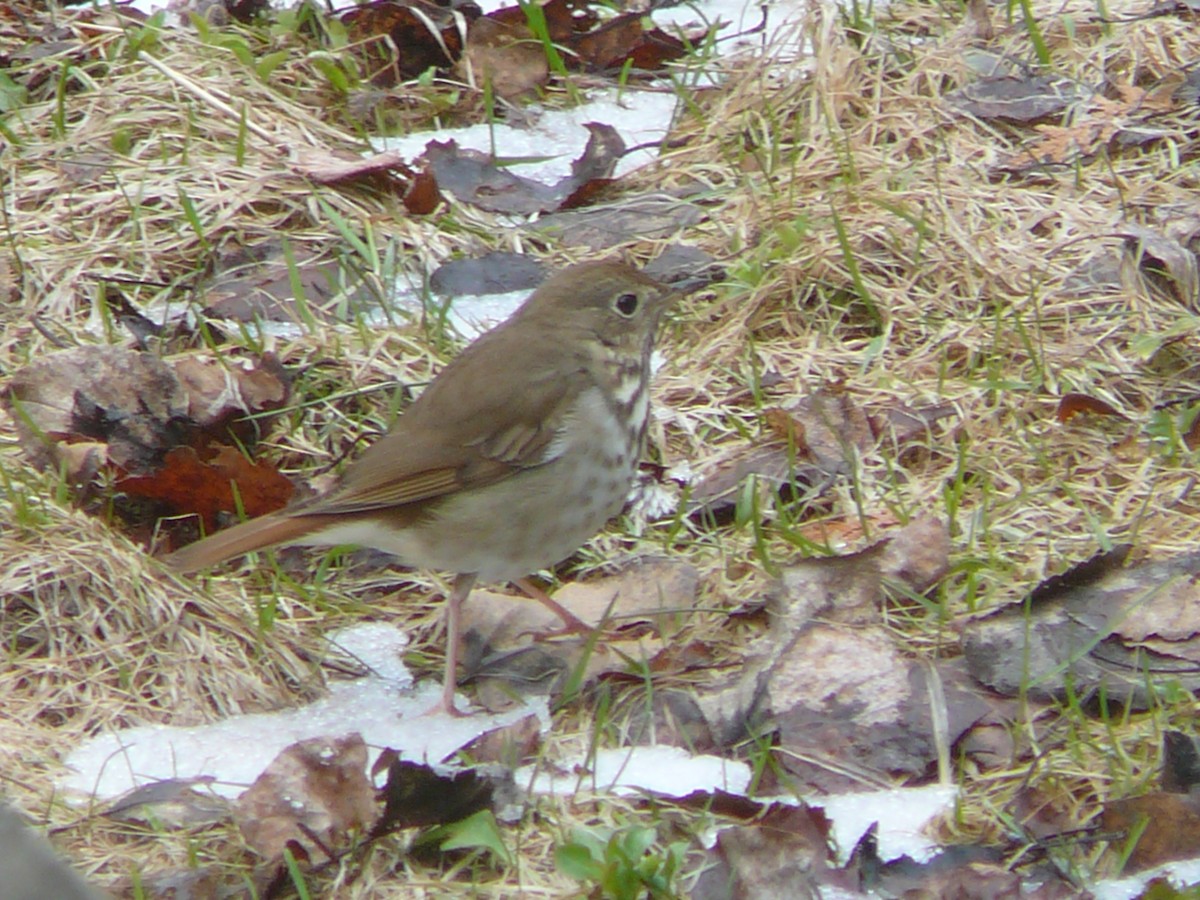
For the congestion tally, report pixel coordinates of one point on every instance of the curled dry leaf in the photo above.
(1073, 404)
(315, 794)
(131, 402)
(325, 168)
(1100, 624)
(474, 177)
(834, 684)
(426, 34)
(223, 393)
(501, 631)
(1161, 262)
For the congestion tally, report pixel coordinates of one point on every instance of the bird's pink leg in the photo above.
(571, 622)
(458, 594)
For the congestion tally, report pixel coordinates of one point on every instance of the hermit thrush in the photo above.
(513, 456)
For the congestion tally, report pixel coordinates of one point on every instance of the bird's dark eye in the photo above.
(627, 304)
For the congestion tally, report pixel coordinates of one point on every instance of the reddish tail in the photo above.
(256, 534)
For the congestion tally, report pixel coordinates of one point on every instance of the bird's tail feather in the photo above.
(257, 534)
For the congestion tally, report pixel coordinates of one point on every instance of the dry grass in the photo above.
(971, 303)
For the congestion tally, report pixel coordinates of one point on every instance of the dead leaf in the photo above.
(784, 853)
(260, 282)
(400, 41)
(493, 273)
(810, 444)
(564, 18)
(623, 39)
(1161, 262)
(213, 487)
(648, 590)
(834, 685)
(1191, 438)
(1171, 824)
(171, 803)
(507, 662)
(1016, 98)
(1181, 763)
(1098, 624)
(227, 396)
(512, 745)
(1073, 404)
(507, 55)
(314, 794)
(648, 217)
(918, 554)
(418, 795)
(325, 168)
(422, 196)
(131, 402)
(473, 177)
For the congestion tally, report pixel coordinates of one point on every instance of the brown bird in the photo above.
(514, 455)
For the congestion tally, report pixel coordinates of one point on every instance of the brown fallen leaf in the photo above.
(1162, 262)
(422, 196)
(846, 702)
(314, 794)
(1170, 826)
(807, 447)
(263, 281)
(1073, 404)
(473, 177)
(218, 485)
(506, 55)
(623, 39)
(127, 400)
(653, 216)
(1181, 763)
(1101, 624)
(785, 853)
(508, 661)
(419, 795)
(325, 168)
(1015, 98)
(646, 591)
(227, 396)
(171, 803)
(400, 41)
(497, 272)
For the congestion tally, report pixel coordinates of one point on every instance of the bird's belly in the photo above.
(526, 522)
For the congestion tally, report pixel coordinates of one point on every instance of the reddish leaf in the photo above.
(563, 18)
(397, 43)
(1073, 404)
(1171, 825)
(187, 484)
(423, 194)
(623, 38)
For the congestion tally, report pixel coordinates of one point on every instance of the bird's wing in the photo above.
(468, 429)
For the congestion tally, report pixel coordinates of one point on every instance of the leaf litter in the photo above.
(829, 280)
